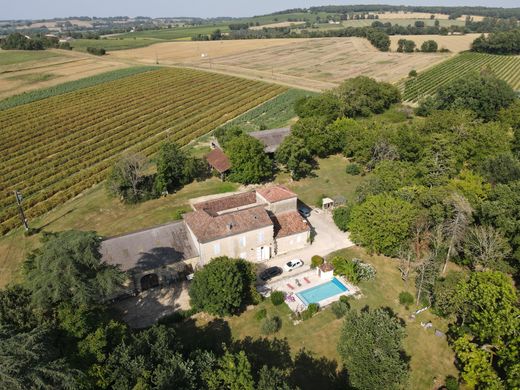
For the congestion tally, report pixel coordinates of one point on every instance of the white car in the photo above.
(292, 264)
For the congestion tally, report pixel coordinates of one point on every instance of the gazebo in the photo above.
(327, 204)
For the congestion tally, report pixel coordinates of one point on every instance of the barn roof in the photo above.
(149, 248)
(289, 223)
(271, 138)
(218, 160)
(275, 193)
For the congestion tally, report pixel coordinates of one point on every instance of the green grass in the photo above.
(274, 113)
(431, 356)
(30, 78)
(401, 22)
(10, 57)
(70, 86)
(176, 33)
(95, 210)
(329, 179)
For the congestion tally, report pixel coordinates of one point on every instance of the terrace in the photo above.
(317, 285)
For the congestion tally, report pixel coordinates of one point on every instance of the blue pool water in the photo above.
(321, 292)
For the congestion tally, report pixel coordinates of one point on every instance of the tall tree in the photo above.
(371, 348)
(455, 227)
(382, 223)
(171, 162)
(128, 178)
(223, 286)
(295, 156)
(30, 360)
(68, 269)
(250, 164)
(486, 247)
(233, 372)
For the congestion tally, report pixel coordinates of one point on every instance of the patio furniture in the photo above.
(290, 286)
(297, 282)
(290, 297)
(306, 279)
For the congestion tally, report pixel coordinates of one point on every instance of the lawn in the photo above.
(431, 357)
(329, 179)
(9, 57)
(95, 210)
(177, 32)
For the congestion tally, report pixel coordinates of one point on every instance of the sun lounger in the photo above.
(307, 280)
(290, 286)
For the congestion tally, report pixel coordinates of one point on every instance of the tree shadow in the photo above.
(213, 336)
(311, 372)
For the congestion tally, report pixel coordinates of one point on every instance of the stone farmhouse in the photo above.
(255, 225)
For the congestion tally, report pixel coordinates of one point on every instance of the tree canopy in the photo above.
(223, 286)
(68, 269)
(371, 348)
(250, 164)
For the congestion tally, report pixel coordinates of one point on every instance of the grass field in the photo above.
(311, 64)
(10, 57)
(401, 22)
(113, 43)
(454, 43)
(95, 210)
(426, 83)
(321, 333)
(169, 34)
(54, 149)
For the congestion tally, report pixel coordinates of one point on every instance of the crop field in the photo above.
(400, 22)
(54, 149)
(24, 71)
(312, 64)
(426, 83)
(454, 43)
(176, 33)
(275, 113)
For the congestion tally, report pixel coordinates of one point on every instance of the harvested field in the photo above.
(53, 149)
(312, 64)
(48, 68)
(277, 25)
(420, 15)
(454, 43)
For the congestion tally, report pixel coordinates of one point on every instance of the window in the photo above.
(216, 249)
(260, 237)
(243, 241)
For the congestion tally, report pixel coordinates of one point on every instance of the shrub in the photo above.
(316, 261)
(451, 383)
(353, 169)
(261, 314)
(406, 299)
(344, 299)
(271, 325)
(340, 308)
(413, 73)
(312, 309)
(98, 51)
(341, 217)
(364, 271)
(277, 297)
(354, 270)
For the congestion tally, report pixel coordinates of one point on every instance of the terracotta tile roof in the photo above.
(275, 193)
(327, 267)
(209, 228)
(289, 223)
(215, 206)
(218, 160)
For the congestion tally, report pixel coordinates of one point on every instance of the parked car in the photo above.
(304, 211)
(293, 264)
(270, 273)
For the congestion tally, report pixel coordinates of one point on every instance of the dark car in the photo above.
(304, 211)
(270, 273)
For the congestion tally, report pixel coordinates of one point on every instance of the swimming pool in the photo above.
(322, 291)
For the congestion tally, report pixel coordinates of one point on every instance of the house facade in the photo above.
(255, 226)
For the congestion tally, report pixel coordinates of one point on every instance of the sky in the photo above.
(40, 9)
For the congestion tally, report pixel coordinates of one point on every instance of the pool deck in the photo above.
(297, 305)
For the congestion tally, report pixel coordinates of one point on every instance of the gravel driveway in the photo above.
(328, 238)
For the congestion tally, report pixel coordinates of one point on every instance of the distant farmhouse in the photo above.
(254, 225)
